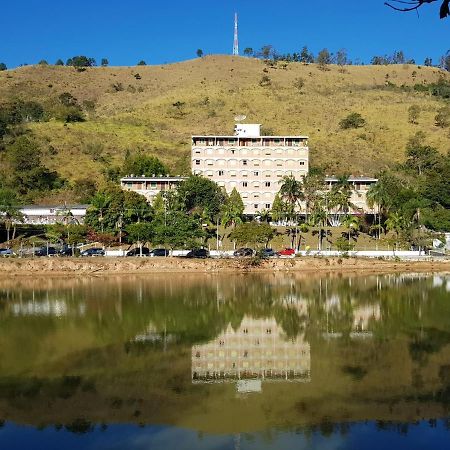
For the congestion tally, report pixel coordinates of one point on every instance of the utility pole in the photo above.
(236, 38)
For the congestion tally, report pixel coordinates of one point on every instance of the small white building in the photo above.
(49, 215)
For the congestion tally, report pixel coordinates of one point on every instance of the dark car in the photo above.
(6, 252)
(267, 253)
(159, 252)
(137, 252)
(68, 251)
(93, 252)
(244, 251)
(46, 251)
(198, 253)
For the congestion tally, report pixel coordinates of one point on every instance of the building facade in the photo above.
(150, 187)
(49, 215)
(251, 163)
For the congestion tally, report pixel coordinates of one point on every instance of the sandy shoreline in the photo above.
(105, 266)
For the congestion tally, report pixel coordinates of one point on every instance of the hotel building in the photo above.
(251, 163)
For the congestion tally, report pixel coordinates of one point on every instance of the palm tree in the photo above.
(352, 224)
(313, 185)
(319, 219)
(397, 222)
(291, 192)
(339, 200)
(100, 203)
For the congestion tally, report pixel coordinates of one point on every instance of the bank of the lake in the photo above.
(85, 266)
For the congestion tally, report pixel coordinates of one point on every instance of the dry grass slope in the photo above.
(136, 112)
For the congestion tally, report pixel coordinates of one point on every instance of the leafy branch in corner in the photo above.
(414, 5)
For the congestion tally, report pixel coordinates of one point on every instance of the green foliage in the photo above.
(248, 51)
(9, 209)
(27, 172)
(291, 193)
(199, 53)
(141, 63)
(84, 189)
(3, 67)
(177, 230)
(440, 89)
(353, 120)
(265, 81)
(104, 62)
(306, 56)
(80, 61)
(233, 209)
(253, 233)
(59, 62)
(139, 232)
(279, 209)
(141, 164)
(43, 62)
(201, 195)
(113, 209)
(67, 99)
(343, 245)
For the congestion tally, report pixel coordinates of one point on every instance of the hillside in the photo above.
(129, 108)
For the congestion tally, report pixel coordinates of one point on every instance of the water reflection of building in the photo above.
(55, 308)
(257, 350)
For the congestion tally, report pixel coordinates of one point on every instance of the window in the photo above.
(256, 196)
(302, 163)
(197, 152)
(267, 153)
(256, 205)
(220, 173)
(267, 183)
(267, 205)
(279, 164)
(244, 162)
(244, 184)
(153, 184)
(233, 151)
(255, 174)
(197, 162)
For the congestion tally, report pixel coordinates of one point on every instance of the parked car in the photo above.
(137, 252)
(287, 252)
(159, 252)
(46, 251)
(198, 253)
(267, 253)
(93, 252)
(6, 252)
(244, 251)
(68, 251)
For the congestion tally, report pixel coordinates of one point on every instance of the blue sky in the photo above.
(167, 31)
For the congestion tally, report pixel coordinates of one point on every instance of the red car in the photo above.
(287, 252)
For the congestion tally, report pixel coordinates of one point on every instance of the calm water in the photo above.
(225, 362)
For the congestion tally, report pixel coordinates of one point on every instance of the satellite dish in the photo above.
(240, 117)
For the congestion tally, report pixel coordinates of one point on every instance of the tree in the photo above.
(139, 233)
(291, 192)
(9, 210)
(141, 164)
(265, 81)
(201, 195)
(253, 233)
(80, 61)
(414, 113)
(341, 58)
(414, 5)
(104, 62)
(305, 56)
(419, 157)
(59, 62)
(232, 209)
(324, 59)
(313, 184)
(353, 120)
(199, 53)
(141, 63)
(3, 66)
(352, 224)
(428, 62)
(278, 211)
(43, 62)
(267, 51)
(248, 51)
(176, 229)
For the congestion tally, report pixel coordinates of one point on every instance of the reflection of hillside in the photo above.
(256, 350)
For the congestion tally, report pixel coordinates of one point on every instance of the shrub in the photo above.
(353, 120)
(265, 81)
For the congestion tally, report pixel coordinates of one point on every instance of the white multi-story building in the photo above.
(251, 163)
(150, 187)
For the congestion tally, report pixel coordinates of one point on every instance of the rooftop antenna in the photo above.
(236, 39)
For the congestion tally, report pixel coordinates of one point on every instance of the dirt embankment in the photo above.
(86, 266)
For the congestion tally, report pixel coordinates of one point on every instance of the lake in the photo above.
(251, 361)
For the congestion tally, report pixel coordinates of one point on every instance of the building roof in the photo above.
(249, 137)
(55, 206)
(144, 178)
(351, 178)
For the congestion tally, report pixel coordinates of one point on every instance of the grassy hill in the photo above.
(130, 108)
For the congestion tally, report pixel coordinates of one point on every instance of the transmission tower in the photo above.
(236, 38)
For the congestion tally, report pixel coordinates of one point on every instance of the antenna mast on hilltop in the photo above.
(236, 39)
